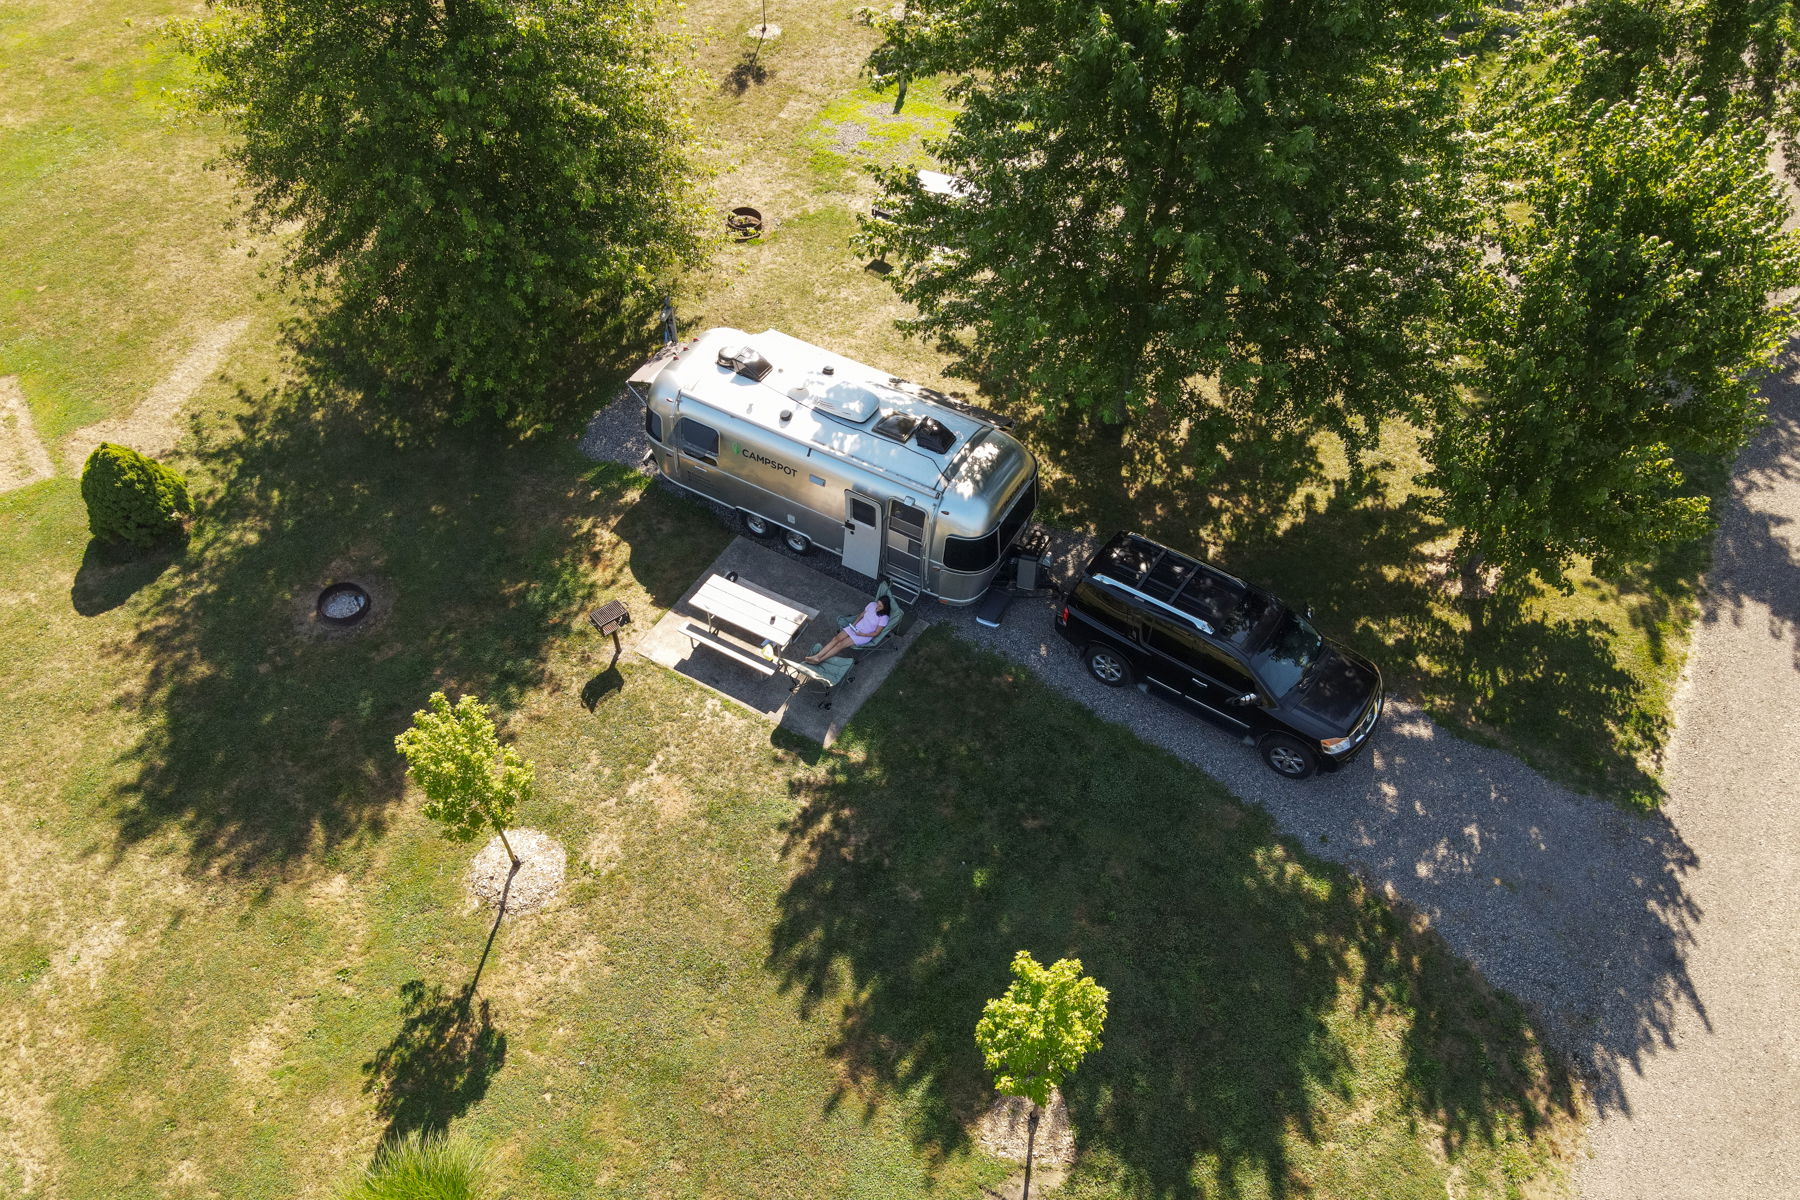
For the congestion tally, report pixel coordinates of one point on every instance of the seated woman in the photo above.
(860, 632)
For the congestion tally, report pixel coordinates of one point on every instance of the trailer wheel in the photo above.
(757, 527)
(799, 543)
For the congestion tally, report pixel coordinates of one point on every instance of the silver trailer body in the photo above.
(898, 481)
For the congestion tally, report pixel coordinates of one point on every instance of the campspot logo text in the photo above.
(765, 460)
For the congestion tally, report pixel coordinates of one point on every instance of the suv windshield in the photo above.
(1290, 653)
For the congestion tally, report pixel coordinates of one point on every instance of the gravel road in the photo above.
(1656, 950)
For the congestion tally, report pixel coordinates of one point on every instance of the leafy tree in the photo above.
(1733, 53)
(1186, 202)
(1039, 1031)
(132, 498)
(471, 782)
(1618, 327)
(476, 184)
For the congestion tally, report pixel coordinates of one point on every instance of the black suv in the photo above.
(1224, 649)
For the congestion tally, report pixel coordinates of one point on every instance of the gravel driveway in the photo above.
(1657, 950)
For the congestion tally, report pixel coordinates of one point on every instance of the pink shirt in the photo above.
(862, 631)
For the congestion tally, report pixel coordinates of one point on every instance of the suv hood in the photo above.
(1339, 687)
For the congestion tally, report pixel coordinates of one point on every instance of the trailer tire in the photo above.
(755, 526)
(797, 543)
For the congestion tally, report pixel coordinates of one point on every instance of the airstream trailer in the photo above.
(901, 482)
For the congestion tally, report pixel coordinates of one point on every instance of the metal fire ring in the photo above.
(743, 224)
(343, 604)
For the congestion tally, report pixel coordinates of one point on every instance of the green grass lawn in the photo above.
(233, 955)
(235, 951)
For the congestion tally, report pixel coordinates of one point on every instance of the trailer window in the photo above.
(971, 554)
(653, 424)
(701, 441)
(980, 553)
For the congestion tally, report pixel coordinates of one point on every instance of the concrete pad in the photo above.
(808, 710)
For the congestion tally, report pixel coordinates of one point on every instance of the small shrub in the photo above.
(423, 1167)
(131, 498)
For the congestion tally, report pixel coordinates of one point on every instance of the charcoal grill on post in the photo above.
(609, 618)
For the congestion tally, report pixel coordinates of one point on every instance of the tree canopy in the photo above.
(477, 186)
(1040, 1030)
(1186, 203)
(1620, 321)
(472, 783)
(1728, 52)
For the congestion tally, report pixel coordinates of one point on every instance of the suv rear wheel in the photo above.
(1107, 665)
(1288, 756)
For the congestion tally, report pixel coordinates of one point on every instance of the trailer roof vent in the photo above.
(744, 360)
(933, 437)
(855, 402)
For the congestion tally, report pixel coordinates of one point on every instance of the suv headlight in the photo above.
(1337, 745)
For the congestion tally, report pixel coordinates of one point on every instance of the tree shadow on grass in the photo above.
(747, 71)
(439, 1064)
(935, 847)
(1549, 688)
(270, 736)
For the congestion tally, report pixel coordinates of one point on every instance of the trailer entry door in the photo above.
(862, 535)
(906, 544)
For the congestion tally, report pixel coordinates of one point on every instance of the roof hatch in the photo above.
(743, 360)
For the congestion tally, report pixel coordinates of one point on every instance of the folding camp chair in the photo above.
(828, 675)
(883, 640)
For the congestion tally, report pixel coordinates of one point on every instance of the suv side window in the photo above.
(1219, 666)
(1164, 640)
(1197, 655)
(1106, 609)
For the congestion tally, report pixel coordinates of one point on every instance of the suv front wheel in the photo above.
(1288, 756)
(1107, 665)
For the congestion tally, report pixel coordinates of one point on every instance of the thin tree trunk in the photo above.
(1471, 574)
(509, 850)
(1030, 1140)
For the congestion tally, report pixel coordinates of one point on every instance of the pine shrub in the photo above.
(131, 498)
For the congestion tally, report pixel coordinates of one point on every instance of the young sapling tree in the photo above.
(471, 782)
(1039, 1031)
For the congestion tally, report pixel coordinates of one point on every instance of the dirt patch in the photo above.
(154, 425)
(87, 957)
(1002, 1131)
(603, 853)
(542, 865)
(669, 794)
(23, 459)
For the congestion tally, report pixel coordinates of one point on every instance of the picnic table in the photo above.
(757, 614)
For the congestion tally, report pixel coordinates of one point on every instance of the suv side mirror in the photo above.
(1246, 698)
